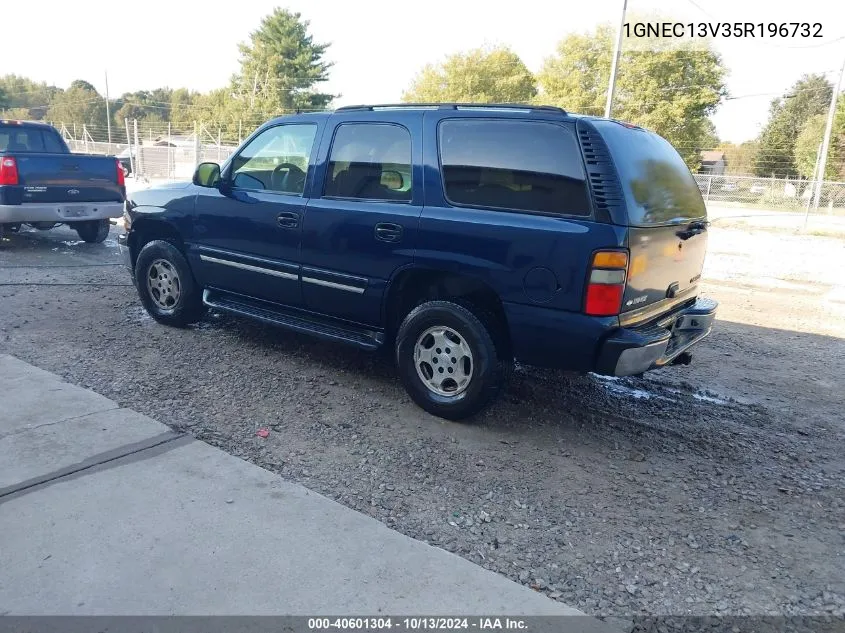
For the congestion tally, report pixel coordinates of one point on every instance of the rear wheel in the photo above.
(92, 231)
(448, 360)
(166, 285)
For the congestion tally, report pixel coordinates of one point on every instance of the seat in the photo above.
(359, 180)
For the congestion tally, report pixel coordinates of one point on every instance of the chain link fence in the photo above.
(777, 194)
(156, 154)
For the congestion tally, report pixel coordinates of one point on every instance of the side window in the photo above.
(370, 161)
(521, 165)
(53, 143)
(275, 160)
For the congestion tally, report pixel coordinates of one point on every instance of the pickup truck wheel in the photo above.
(448, 361)
(92, 231)
(166, 285)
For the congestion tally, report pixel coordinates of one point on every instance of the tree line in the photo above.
(671, 90)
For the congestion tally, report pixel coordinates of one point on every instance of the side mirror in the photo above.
(207, 175)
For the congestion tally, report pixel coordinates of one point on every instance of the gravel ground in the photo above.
(710, 489)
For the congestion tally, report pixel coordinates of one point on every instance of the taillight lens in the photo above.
(606, 283)
(8, 171)
(121, 177)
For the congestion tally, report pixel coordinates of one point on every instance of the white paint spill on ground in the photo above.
(614, 385)
(711, 399)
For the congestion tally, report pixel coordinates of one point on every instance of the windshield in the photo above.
(658, 186)
(14, 138)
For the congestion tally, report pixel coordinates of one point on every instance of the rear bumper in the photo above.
(60, 212)
(634, 350)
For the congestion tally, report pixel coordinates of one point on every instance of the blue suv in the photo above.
(460, 236)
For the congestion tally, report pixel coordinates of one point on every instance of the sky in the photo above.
(378, 46)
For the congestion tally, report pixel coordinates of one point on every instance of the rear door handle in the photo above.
(288, 219)
(388, 232)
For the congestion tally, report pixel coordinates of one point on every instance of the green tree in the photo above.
(810, 138)
(27, 98)
(281, 66)
(669, 89)
(740, 159)
(494, 75)
(144, 105)
(808, 97)
(80, 105)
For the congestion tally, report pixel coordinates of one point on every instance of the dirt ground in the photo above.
(717, 488)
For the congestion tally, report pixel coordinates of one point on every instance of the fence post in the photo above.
(219, 136)
(129, 144)
(139, 160)
(196, 145)
(240, 131)
(171, 164)
(85, 138)
(707, 193)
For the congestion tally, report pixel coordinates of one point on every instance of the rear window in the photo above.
(520, 165)
(658, 186)
(15, 138)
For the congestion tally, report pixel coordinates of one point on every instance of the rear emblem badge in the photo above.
(72, 192)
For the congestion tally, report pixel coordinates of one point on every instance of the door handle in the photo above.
(288, 220)
(388, 232)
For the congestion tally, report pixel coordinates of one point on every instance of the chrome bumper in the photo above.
(59, 212)
(631, 351)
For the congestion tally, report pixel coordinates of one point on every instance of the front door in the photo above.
(361, 225)
(247, 231)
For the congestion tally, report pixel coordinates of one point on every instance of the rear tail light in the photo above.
(606, 283)
(121, 177)
(8, 171)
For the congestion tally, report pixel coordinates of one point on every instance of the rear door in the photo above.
(361, 224)
(667, 219)
(507, 202)
(246, 233)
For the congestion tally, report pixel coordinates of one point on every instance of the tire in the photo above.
(92, 231)
(460, 329)
(166, 285)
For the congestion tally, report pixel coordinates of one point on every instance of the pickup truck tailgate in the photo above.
(65, 178)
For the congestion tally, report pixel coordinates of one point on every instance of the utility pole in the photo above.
(826, 142)
(813, 185)
(611, 88)
(108, 110)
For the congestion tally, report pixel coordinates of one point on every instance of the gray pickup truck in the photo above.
(42, 184)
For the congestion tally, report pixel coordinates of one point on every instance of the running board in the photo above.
(277, 315)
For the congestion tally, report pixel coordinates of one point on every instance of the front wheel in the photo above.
(448, 360)
(92, 231)
(166, 285)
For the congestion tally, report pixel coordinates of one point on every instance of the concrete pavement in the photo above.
(104, 511)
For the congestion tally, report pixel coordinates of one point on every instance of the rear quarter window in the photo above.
(530, 166)
(658, 185)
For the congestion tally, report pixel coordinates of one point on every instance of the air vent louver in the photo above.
(604, 184)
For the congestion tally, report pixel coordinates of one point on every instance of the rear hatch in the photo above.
(667, 220)
(47, 172)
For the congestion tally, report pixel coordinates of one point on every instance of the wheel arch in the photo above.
(147, 228)
(413, 285)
